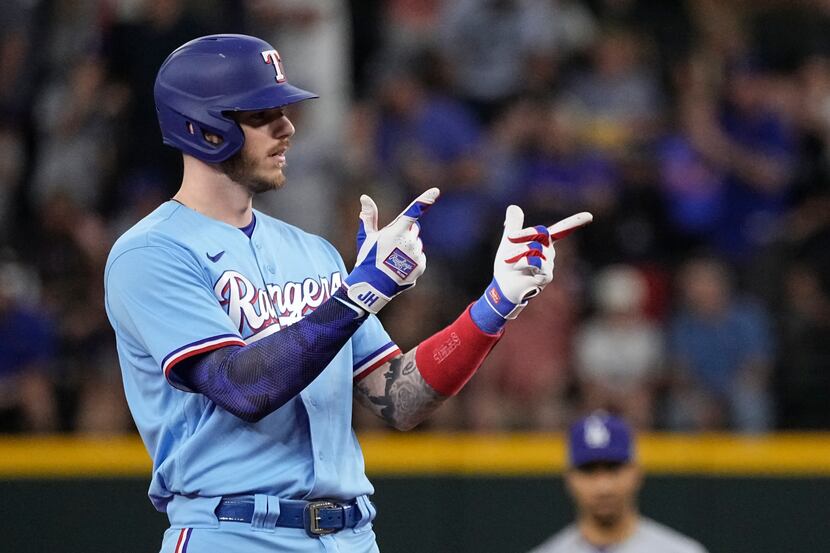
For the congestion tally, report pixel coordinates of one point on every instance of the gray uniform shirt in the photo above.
(650, 537)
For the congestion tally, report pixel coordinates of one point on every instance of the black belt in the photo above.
(317, 517)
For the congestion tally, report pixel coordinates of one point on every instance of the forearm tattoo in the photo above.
(398, 394)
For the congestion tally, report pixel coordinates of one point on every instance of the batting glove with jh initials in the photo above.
(389, 260)
(523, 267)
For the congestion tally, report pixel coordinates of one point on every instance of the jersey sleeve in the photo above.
(371, 348)
(161, 301)
(371, 345)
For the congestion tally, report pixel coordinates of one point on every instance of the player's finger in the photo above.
(566, 226)
(414, 210)
(414, 231)
(412, 236)
(513, 219)
(368, 214)
(531, 256)
(538, 233)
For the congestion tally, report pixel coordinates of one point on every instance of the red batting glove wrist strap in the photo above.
(450, 357)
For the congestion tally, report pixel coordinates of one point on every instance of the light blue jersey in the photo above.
(178, 284)
(649, 537)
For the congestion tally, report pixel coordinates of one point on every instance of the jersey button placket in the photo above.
(263, 266)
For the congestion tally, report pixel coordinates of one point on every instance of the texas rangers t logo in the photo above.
(272, 57)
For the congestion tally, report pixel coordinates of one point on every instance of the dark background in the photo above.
(442, 514)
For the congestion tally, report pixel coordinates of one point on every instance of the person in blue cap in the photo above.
(604, 479)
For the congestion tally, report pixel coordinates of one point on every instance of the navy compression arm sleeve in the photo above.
(257, 379)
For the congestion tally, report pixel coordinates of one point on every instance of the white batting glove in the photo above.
(524, 261)
(389, 260)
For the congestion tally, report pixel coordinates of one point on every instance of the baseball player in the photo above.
(603, 480)
(243, 340)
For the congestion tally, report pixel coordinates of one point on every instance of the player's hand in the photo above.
(524, 260)
(389, 260)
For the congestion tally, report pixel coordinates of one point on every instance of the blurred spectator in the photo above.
(70, 253)
(312, 39)
(27, 354)
(667, 24)
(538, 157)
(18, 78)
(788, 33)
(635, 228)
(421, 129)
(694, 189)
(73, 31)
(423, 137)
(136, 49)
(487, 43)
(365, 18)
(755, 146)
(720, 29)
(16, 60)
(728, 170)
(619, 96)
(410, 26)
(811, 107)
(804, 360)
(141, 194)
(619, 352)
(795, 276)
(74, 120)
(12, 163)
(560, 174)
(572, 31)
(721, 350)
(508, 142)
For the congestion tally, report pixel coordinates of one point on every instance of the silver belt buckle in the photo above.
(311, 516)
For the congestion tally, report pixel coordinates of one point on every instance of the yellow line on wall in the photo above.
(414, 454)
(73, 457)
(545, 454)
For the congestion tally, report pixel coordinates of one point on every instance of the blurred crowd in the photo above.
(697, 132)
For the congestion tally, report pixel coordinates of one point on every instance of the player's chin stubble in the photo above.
(242, 169)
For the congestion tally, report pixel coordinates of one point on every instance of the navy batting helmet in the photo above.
(204, 79)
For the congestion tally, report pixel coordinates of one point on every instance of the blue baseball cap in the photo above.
(600, 437)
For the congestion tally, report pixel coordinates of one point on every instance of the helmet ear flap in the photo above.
(209, 136)
(177, 130)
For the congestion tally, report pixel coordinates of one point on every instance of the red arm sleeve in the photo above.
(450, 357)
